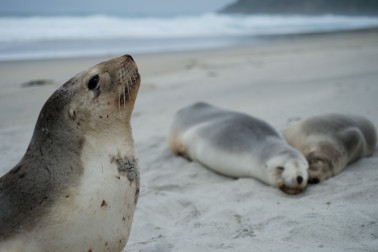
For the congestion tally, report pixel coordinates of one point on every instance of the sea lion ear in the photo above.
(314, 160)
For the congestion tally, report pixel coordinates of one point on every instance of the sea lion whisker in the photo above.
(128, 86)
(124, 99)
(119, 100)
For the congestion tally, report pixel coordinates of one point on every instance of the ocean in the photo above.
(41, 37)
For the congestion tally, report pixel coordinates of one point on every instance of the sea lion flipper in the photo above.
(352, 139)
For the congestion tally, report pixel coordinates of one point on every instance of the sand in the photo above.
(185, 207)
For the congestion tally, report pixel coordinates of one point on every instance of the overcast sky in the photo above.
(119, 7)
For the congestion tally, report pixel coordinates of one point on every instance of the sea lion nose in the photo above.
(299, 180)
(128, 56)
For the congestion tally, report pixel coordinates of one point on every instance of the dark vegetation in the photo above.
(304, 7)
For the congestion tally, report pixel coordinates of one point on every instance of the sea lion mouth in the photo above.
(291, 190)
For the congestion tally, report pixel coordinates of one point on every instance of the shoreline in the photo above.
(76, 64)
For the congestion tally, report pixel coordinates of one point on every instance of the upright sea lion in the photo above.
(237, 145)
(330, 142)
(77, 185)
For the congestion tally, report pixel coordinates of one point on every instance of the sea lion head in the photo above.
(324, 160)
(95, 99)
(290, 171)
(103, 94)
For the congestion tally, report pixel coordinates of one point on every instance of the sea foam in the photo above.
(65, 34)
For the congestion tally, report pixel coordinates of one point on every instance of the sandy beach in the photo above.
(185, 207)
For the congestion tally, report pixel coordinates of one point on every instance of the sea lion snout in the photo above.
(128, 56)
(294, 176)
(127, 70)
(128, 77)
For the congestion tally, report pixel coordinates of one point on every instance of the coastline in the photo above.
(185, 207)
(250, 42)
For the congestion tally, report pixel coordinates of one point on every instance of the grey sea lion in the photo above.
(331, 141)
(77, 185)
(237, 145)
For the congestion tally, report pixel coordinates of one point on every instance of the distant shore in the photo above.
(304, 7)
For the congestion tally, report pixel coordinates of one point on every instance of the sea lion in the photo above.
(330, 142)
(77, 185)
(237, 145)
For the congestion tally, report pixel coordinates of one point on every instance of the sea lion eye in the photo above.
(280, 169)
(92, 83)
(314, 160)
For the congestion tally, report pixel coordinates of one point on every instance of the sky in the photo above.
(117, 7)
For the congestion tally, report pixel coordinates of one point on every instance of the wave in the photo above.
(67, 36)
(24, 29)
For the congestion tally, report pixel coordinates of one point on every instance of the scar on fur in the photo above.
(127, 167)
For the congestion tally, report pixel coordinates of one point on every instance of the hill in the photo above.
(304, 7)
